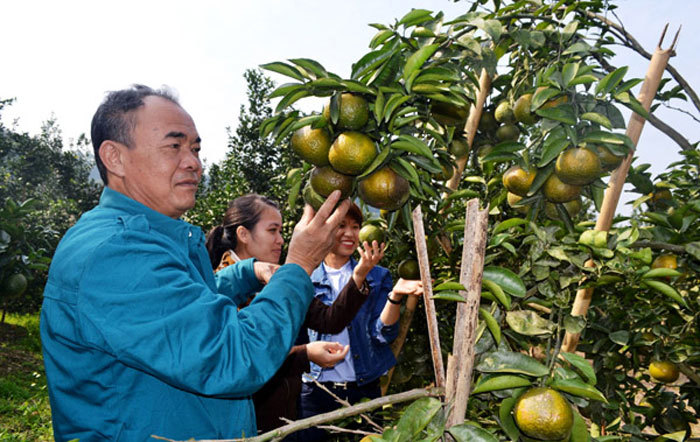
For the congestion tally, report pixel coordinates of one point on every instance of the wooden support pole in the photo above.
(658, 63)
(472, 125)
(424, 264)
(461, 364)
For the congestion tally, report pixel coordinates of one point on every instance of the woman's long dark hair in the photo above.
(243, 211)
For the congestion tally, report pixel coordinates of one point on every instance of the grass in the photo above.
(25, 414)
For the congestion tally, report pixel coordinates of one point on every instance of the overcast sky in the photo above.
(59, 57)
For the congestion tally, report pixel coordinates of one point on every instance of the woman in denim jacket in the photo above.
(369, 334)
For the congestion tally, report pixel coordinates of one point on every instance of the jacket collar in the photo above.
(175, 228)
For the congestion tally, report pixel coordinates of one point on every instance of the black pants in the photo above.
(314, 400)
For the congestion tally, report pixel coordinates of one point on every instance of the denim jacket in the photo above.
(369, 337)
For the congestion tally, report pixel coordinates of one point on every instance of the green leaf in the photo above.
(511, 362)
(693, 249)
(380, 37)
(290, 99)
(574, 324)
(449, 296)
(504, 382)
(356, 86)
(580, 46)
(417, 59)
(294, 193)
(579, 388)
(492, 324)
(541, 96)
(449, 285)
(582, 365)
(392, 103)
(492, 27)
(497, 291)
(414, 17)
(284, 69)
(416, 417)
(661, 273)
(620, 337)
(285, 89)
(405, 169)
(529, 323)
(597, 118)
(666, 290)
(462, 193)
(378, 161)
(579, 431)
(509, 281)
(551, 149)
(471, 433)
(505, 417)
(507, 224)
(371, 61)
(568, 73)
(310, 66)
(563, 113)
(420, 147)
(610, 81)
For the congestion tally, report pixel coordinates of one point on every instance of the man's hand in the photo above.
(264, 270)
(326, 354)
(369, 257)
(314, 234)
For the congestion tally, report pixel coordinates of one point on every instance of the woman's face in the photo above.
(264, 242)
(347, 238)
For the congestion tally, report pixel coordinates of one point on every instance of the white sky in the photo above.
(59, 57)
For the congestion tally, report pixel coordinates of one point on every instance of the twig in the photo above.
(658, 245)
(337, 429)
(345, 403)
(689, 373)
(313, 421)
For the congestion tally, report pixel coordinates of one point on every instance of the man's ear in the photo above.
(111, 156)
(243, 235)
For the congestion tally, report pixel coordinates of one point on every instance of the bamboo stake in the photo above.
(658, 63)
(424, 264)
(472, 125)
(397, 345)
(460, 368)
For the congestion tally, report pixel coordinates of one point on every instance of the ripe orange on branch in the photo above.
(312, 145)
(518, 180)
(577, 166)
(543, 413)
(353, 112)
(384, 189)
(325, 180)
(352, 152)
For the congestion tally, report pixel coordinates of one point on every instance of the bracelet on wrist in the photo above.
(388, 297)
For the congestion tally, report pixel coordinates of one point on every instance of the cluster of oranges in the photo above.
(340, 159)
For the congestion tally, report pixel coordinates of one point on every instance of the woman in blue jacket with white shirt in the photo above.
(369, 334)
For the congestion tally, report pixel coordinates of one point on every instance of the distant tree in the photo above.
(56, 179)
(252, 163)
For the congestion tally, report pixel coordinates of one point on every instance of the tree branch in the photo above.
(364, 407)
(659, 245)
(630, 42)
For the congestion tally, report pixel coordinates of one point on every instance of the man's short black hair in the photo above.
(114, 120)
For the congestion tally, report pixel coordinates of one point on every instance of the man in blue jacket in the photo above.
(139, 336)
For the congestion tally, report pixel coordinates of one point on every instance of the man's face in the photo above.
(162, 167)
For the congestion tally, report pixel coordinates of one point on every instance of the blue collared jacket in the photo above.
(369, 337)
(140, 338)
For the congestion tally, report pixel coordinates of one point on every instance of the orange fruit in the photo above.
(325, 180)
(667, 261)
(514, 199)
(352, 152)
(504, 112)
(449, 114)
(556, 191)
(518, 180)
(664, 371)
(521, 110)
(354, 112)
(14, 285)
(578, 166)
(608, 160)
(384, 189)
(312, 145)
(459, 147)
(371, 232)
(553, 102)
(544, 414)
(508, 132)
(409, 269)
(487, 122)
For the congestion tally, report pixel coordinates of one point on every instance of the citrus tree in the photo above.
(551, 130)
